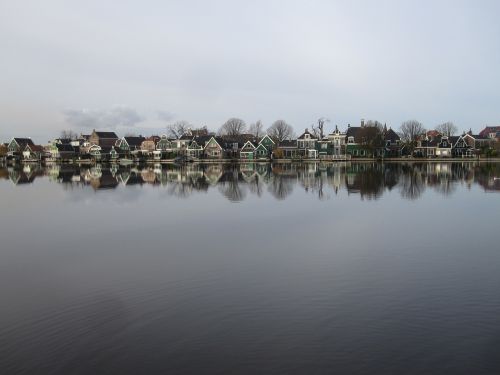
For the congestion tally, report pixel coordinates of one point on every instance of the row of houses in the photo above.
(357, 142)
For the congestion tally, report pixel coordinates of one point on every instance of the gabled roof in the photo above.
(249, 144)
(217, 140)
(65, 147)
(134, 141)
(391, 135)
(35, 148)
(454, 139)
(303, 135)
(23, 141)
(106, 134)
(186, 137)
(266, 136)
(352, 131)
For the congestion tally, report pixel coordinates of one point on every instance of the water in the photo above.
(347, 268)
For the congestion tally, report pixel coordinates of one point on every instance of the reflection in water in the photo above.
(237, 181)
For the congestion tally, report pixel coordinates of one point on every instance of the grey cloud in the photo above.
(103, 118)
(164, 115)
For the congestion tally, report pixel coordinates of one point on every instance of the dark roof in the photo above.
(352, 131)
(65, 147)
(106, 134)
(64, 140)
(24, 141)
(202, 139)
(430, 143)
(288, 144)
(454, 139)
(36, 148)
(391, 135)
(303, 135)
(186, 136)
(134, 141)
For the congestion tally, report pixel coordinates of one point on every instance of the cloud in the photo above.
(119, 116)
(164, 115)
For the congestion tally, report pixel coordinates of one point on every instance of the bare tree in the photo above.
(68, 134)
(318, 128)
(233, 127)
(178, 128)
(280, 130)
(410, 131)
(257, 129)
(447, 128)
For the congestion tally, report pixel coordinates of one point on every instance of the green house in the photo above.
(247, 152)
(267, 142)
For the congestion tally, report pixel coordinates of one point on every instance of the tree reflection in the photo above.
(235, 181)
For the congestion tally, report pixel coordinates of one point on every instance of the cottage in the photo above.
(392, 143)
(129, 145)
(443, 147)
(460, 148)
(261, 152)
(213, 148)
(149, 144)
(61, 151)
(337, 142)
(17, 145)
(247, 152)
(33, 153)
(286, 149)
(306, 145)
(103, 139)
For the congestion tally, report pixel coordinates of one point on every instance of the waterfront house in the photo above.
(491, 132)
(286, 149)
(247, 152)
(129, 145)
(17, 145)
(261, 152)
(267, 142)
(460, 148)
(337, 142)
(426, 148)
(443, 148)
(194, 149)
(306, 145)
(392, 143)
(33, 152)
(213, 148)
(149, 144)
(103, 139)
(99, 153)
(61, 151)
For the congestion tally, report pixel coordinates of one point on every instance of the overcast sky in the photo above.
(136, 66)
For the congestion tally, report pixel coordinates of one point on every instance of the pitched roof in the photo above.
(134, 141)
(303, 135)
(106, 134)
(64, 147)
(36, 148)
(489, 129)
(24, 141)
(288, 144)
(391, 135)
(352, 131)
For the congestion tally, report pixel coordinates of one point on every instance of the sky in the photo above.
(137, 66)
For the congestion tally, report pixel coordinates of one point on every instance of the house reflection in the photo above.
(237, 182)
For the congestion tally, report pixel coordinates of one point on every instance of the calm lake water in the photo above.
(256, 269)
